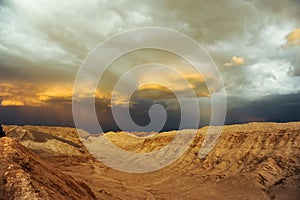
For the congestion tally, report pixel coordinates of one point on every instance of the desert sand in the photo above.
(249, 161)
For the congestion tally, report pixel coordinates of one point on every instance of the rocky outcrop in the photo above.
(24, 175)
(2, 133)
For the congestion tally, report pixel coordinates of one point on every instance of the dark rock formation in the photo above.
(2, 134)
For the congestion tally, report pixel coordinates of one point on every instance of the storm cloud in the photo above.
(254, 43)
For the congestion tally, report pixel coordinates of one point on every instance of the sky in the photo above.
(254, 43)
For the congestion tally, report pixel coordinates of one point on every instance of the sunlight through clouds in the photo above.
(255, 45)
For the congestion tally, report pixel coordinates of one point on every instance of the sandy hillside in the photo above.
(249, 161)
(24, 175)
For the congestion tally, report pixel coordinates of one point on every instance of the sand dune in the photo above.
(249, 161)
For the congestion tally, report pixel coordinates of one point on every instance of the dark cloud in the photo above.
(27, 115)
(279, 108)
(275, 108)
(36, 74)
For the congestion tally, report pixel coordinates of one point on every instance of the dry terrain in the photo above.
(249, 161)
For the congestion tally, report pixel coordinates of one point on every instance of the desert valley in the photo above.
(156, 100)
(249, 161)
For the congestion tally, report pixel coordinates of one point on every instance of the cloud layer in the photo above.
(255, 44)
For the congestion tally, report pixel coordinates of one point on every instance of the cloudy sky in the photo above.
(254, 43)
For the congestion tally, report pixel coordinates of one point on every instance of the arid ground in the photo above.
(249, 161)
